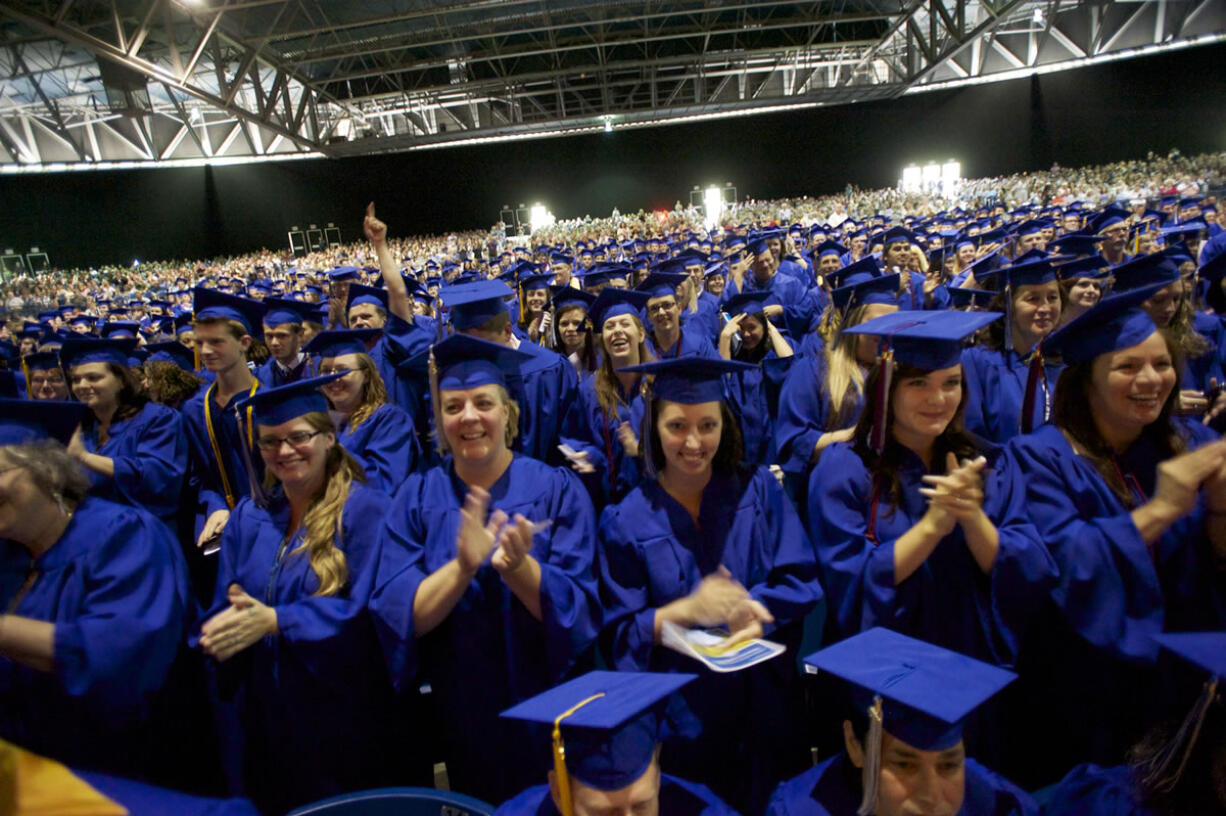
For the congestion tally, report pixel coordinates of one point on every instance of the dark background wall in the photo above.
(1104, 113)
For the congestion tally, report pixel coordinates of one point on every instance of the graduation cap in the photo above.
(661, 284)
(1144, 270)
(1188, 228)
(605, 726)
(360, 294)
(275, 406)
(566, 296)
(863, 288)
(461, 362)
(343, 273)
(40, 361)
(971, 299)
(1076, 243)
(282, 311)
(917, 692)
(613, 302)
(746, 303)
(120, 328)
(1091, 266)
(1108, 218)
(715, 269)
(171, 351)
(472, 304)
(335, 342)
(80, 349)
(929, 341)
(24, 421)
(209, 304)
(1115, 322)
(536, 280)
(1029, 273)
(865, 266)
(1032, 227)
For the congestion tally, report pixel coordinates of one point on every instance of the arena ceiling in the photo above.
(88, 84)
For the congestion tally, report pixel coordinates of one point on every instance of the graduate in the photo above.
(607, 728)
(919, 526)
(903, 747)
(133, 450)
(288, 626)
(96, 599)
(168, 374)
(705, 541)
(284, 336)
(823, 393)
(1180, 766)
(221, 452)
(754, 393)
(667, 337)
(487, 589)
(1008, 381)
(570, 329)
(1126, 498)
(601, 426)
(379, 434)
(44, 378)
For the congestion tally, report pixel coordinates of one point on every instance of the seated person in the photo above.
(606, 729)
(904, 750)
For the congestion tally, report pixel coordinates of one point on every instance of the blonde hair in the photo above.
(512, 429)
(374, 393)
(843, 373)
(322, 527)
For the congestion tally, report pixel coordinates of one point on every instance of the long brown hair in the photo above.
(606, 384)
(374, 392)
(322, 523)
(128, 402)
(588, 359)
(1071, 414)
(884, 466)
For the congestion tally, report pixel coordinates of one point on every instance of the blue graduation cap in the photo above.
(1143, 270)
(605, 725)
(1115, 322)
(24, 421)
(829, 248)
(1076, 243)
(79, 349)
(861, 289)
(464, 362)
(1204, 650)
(1194, 227)
(613, 302)
(209, 304)
(865, 266)
(689, 380)
(1032, 227)
(472, 304)
(661, 284)
(360, 294)
(335, 342)
(536, 280)
(183, 322)
(120, 328)
(565, 296)
(896, 234)
(274, 406)
(974, 299)
(343, 273)
(1091, 266)
(715, 269)
(746, 303)
(282, 311)
(171, 351)
(917, 692)
(1108, 218)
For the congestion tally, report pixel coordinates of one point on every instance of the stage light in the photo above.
(911, 179)
(608, 124)
(931, 176)
(713, 206)
(539, 217)
(951, 174)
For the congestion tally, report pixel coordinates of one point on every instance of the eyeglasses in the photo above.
(661, 307)
(272, 444)
(327, 372)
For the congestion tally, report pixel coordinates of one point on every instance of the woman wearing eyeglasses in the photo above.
(377, 432)
(288, 627)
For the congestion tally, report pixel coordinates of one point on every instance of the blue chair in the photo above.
(398, 802)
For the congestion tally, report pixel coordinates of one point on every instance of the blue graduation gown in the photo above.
(589, 430)
(150, 455)
(385, 444)
(947, 600)
(754, 398)
(995, 383)
(206, 469)
(704, 319)
(800, 305)
(544, 388)
(652, 553)
(115, 586)
(690, 344)
(1113, 593)
(272, 375)
(1089, 790)
(677, 798)
(1198, 371)
(489, 653)
(317, 689)
(805, 413)
(833, 789)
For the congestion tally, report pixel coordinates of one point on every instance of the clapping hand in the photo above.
(239, 626)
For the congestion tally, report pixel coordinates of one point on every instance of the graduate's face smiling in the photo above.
(1036, 310)
(966, 254)
(1129, 387)
(923, 405)
(689, 435)
(345, 393)
(1161, 307)
(570, 328)
(621, 335)
(662, 311)
(96, 385)
(48, 384)
(536, 299)
(218, 347)
(897, 254)
(1084, 292)
(299, 464)
(475, 422)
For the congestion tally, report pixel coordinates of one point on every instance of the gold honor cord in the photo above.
(559, 756)
(208, 424)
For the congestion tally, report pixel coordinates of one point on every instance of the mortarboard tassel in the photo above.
(881, 411)
(1008, 314)
(872, 759)
(247, 428)
(559, 756)
(649, 464)
(440, 442)
(1158, 774)
(1033, 377)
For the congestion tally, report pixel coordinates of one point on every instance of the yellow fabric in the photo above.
(559, 756)
(47, 788)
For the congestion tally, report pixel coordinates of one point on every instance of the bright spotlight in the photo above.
(951, 174)
(539, 217)
(713, 206)
(911, 179)
(608, 125)
(932, 176)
